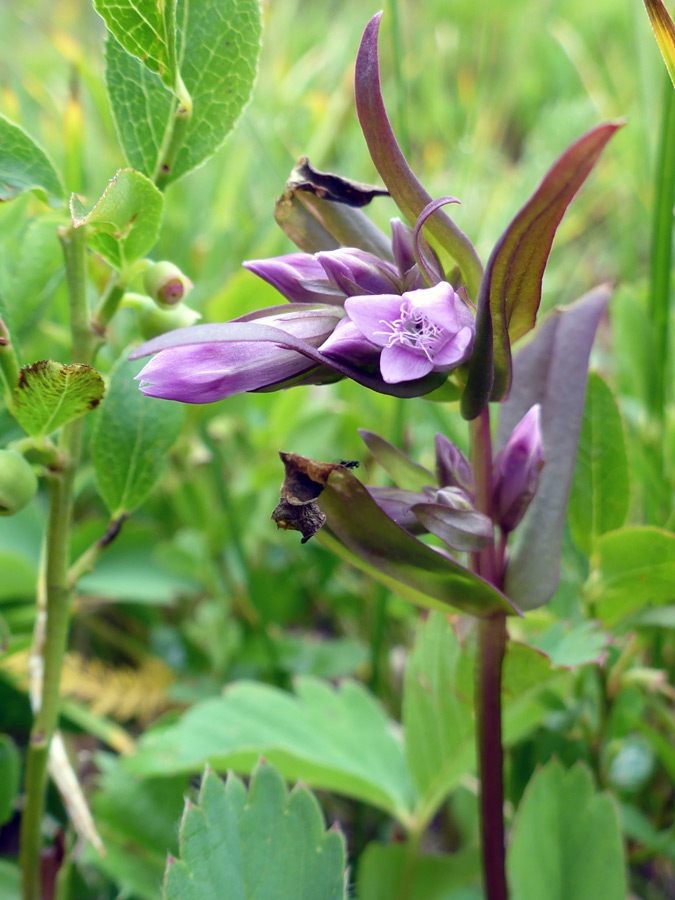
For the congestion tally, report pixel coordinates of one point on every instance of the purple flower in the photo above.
(298, 276)
(205, 372)
(430, 329)
(516, 470)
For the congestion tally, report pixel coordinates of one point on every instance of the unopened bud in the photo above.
(18, 482)
(452, 467)
(516, 471)
(166, 284)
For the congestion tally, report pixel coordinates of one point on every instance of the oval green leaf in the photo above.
(25, 167)
(132, 436)
(125, 222)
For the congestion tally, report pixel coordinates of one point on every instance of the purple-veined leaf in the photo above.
(461, 529)
(377, 544)
(664, 32)
(250, 331)
(403, 471)
(510, 292)
(405, 189)
(551, 369)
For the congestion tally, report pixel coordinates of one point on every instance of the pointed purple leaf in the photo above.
(551, 370)
(511, 288)
(402, 470)
(407, 192)
(374, 541)
(461, 529)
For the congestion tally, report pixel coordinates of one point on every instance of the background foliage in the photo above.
(200, 591)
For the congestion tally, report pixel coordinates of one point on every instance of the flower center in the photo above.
(414, 331)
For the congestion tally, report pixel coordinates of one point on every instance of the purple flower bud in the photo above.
(452, 467)
(402, 245)
(347, 344)
(454, 497)
(355, 272)
(420, 331)
(298, 276)
(203, 373)
(516, 471)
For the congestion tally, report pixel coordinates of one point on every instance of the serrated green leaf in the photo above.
(10, 770)
(125, 222)
(25, 167)
(49, 394)
(636, 570)
(335, 739)
(132, 435)
(266, 843)
(220, 44)
(147, 30)
(599, 494)
(565, 841)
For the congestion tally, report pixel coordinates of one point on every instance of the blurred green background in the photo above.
(200, 589)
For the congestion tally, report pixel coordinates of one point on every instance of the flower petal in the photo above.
(371, 315)
(398, 363)
(456, 350)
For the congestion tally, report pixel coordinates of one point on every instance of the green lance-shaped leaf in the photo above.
(336, 739)
(510, 292)
(404, 472)
(664, 31)
(219, 44)
(636, 571)
(132, 435)
(125, 222)
(147, 30)
(566, 840)
(264, 843)
(600, 489)
(405, 189)
(25, 167)
(551, 370)
(49, 394)
(423, 575)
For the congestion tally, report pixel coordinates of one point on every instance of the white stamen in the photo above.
(414, 331)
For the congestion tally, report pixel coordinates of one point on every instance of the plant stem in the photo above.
(57, 589)
(491, 647)
(175, 136)
(489, 659)
(9, 366)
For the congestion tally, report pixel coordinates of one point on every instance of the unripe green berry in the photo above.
(153, 321)
(18, 482)
(166, 284)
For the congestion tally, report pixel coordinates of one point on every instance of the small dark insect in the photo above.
(349, 463)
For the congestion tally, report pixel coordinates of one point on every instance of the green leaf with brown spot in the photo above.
(49, 394)
(147, 30)
(124, 224)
